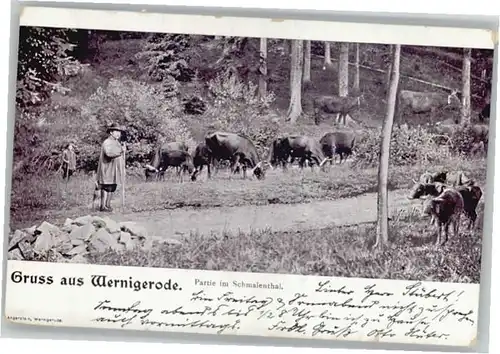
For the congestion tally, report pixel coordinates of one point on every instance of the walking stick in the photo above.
(123, 182)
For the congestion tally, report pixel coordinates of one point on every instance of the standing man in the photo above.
(68, 161)
(111, 165)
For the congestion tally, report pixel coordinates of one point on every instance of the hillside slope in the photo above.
(116, 59)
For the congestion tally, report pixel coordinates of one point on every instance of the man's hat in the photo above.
(115, 126)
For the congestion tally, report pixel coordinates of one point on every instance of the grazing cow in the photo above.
(341, 106)
(153, 168)
(428, 177)
(471, 196)
(485, 113)
(180, 159)
(446, 209)
(422, 102)
(296, 146)
(238, 149)
(339, 142)
(279, 152)
(423, 189)
(201, 157)
(456, 178)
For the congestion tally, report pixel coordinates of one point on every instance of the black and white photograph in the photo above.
(241, 154)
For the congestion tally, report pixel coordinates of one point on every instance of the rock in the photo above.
(98, 222)
(102, 240)
(16, 238)
(111, 225)
(134, 229)
(45, 240)
(26, 250)
(83, 220)
(48, 227)
(62, 242)
(79, 258)
(68, 222)
(126, 239)
(31, 230)
(15, 255)
(81, 249)
(82, 232)
(67, 228)
(77, 242)
(65, 247)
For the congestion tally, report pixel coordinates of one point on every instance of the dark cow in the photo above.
(294, 147)
(339, 142)
(471, 196)
(201, 157)
(446, 209)
(279, 152)
(422, 189)
(152, 170)
(341, 106)
(485, 113)
(422, 102)
(238, 149)
(180, 159)
(428, 177)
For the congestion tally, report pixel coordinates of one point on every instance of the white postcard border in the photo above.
(259, 27)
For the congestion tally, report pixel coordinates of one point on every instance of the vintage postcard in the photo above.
(249, 176)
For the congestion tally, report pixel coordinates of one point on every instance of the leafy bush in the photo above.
(463, 138)
(148, 116)
(409, 145)
(237, 107)
(164, 55)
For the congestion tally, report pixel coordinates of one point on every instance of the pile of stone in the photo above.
(78, 238)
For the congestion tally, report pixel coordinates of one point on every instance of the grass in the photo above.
(334, 251)
(44, 197)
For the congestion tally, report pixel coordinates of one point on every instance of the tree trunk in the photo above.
(307, 62)
(328, 57)
(295, 107)
(355, 86)
(263, 67)
(344, 69)
(388, 72)
(385, 145)
(465, 111)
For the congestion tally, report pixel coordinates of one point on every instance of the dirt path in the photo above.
(319, 214)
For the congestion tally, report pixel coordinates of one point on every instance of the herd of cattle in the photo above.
(449, 195)
(242, 154)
